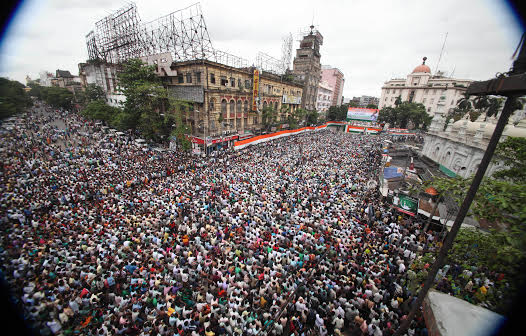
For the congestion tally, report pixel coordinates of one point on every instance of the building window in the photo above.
(232, 109)
(246, 107)
(239, 84)
(224, 81)
(212, 78)
(276, 106)
(198, 77)
(180, 79)
(424, 101)
(264, 105)
(189, 77)
(211, 106)
(238, 124)
(212, 124)
(232, 82)
(223, 106)
(239, 106)
(247, 84)
(255, 120)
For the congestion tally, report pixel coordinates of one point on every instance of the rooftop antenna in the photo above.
(453, 72)
(441, 52)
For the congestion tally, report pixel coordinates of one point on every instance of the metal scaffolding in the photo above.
(269, 63)
(121, 36)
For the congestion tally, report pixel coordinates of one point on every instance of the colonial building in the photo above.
(226, 103)
(363, 101)
(459, 149)
(103, 75)
(307, 67)
(335, 79)
(324, 100)
(420, 86)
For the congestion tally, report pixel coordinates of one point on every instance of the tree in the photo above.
(338, 113)
(93, 92)
(512, 153)
(145, 98)
(464, 103)
(99, 110)
(400, 115)
(398, 100)
(181, 130)
(57, 97)
(311, 118)
(500, 252)
(372, 106)
(13, 98)
(268, 117)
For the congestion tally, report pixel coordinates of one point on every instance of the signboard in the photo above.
(406, 204)
(289, 99)
(362, 114)
(255, 90)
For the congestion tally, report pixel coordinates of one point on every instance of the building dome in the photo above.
(518, 131)
(422, 67)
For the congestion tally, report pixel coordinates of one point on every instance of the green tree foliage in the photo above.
(372, 106)
(482, 253)
(57, 97)
(146, 99)
(512, 153)
(338, 113)
(99, 110)
(93, 92)
(269, 117)
(13, 98)
(174, 120)
(500, 199)
(311, 118)
(400, 115)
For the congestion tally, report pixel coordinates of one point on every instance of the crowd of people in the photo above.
(101, 237)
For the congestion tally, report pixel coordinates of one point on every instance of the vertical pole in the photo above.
(484, 163)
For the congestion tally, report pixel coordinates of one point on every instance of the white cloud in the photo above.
(370, 41)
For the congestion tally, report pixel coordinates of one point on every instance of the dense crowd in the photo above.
(100, 237)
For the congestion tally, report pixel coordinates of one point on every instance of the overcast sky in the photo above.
(369, 41)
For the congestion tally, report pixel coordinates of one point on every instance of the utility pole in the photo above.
(511, 85)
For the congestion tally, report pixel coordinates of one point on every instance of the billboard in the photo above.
(362, 114)
(406, 204)
(255, 90)
(290, 99)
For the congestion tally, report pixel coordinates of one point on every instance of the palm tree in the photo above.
(493, 108)
(464, 103)
(481, 103)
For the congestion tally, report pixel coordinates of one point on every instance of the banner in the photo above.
(290, 99)
(255, 90)
(407, 204)
(362, 114)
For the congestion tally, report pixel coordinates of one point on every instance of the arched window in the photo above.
(246, 106)
(223, 106)
(276, 106)
(264, 105)
(232, 108)
(239, 108)
(212, 104)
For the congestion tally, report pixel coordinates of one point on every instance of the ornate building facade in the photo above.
(420, 86)
(459, 148)
(307, 67)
